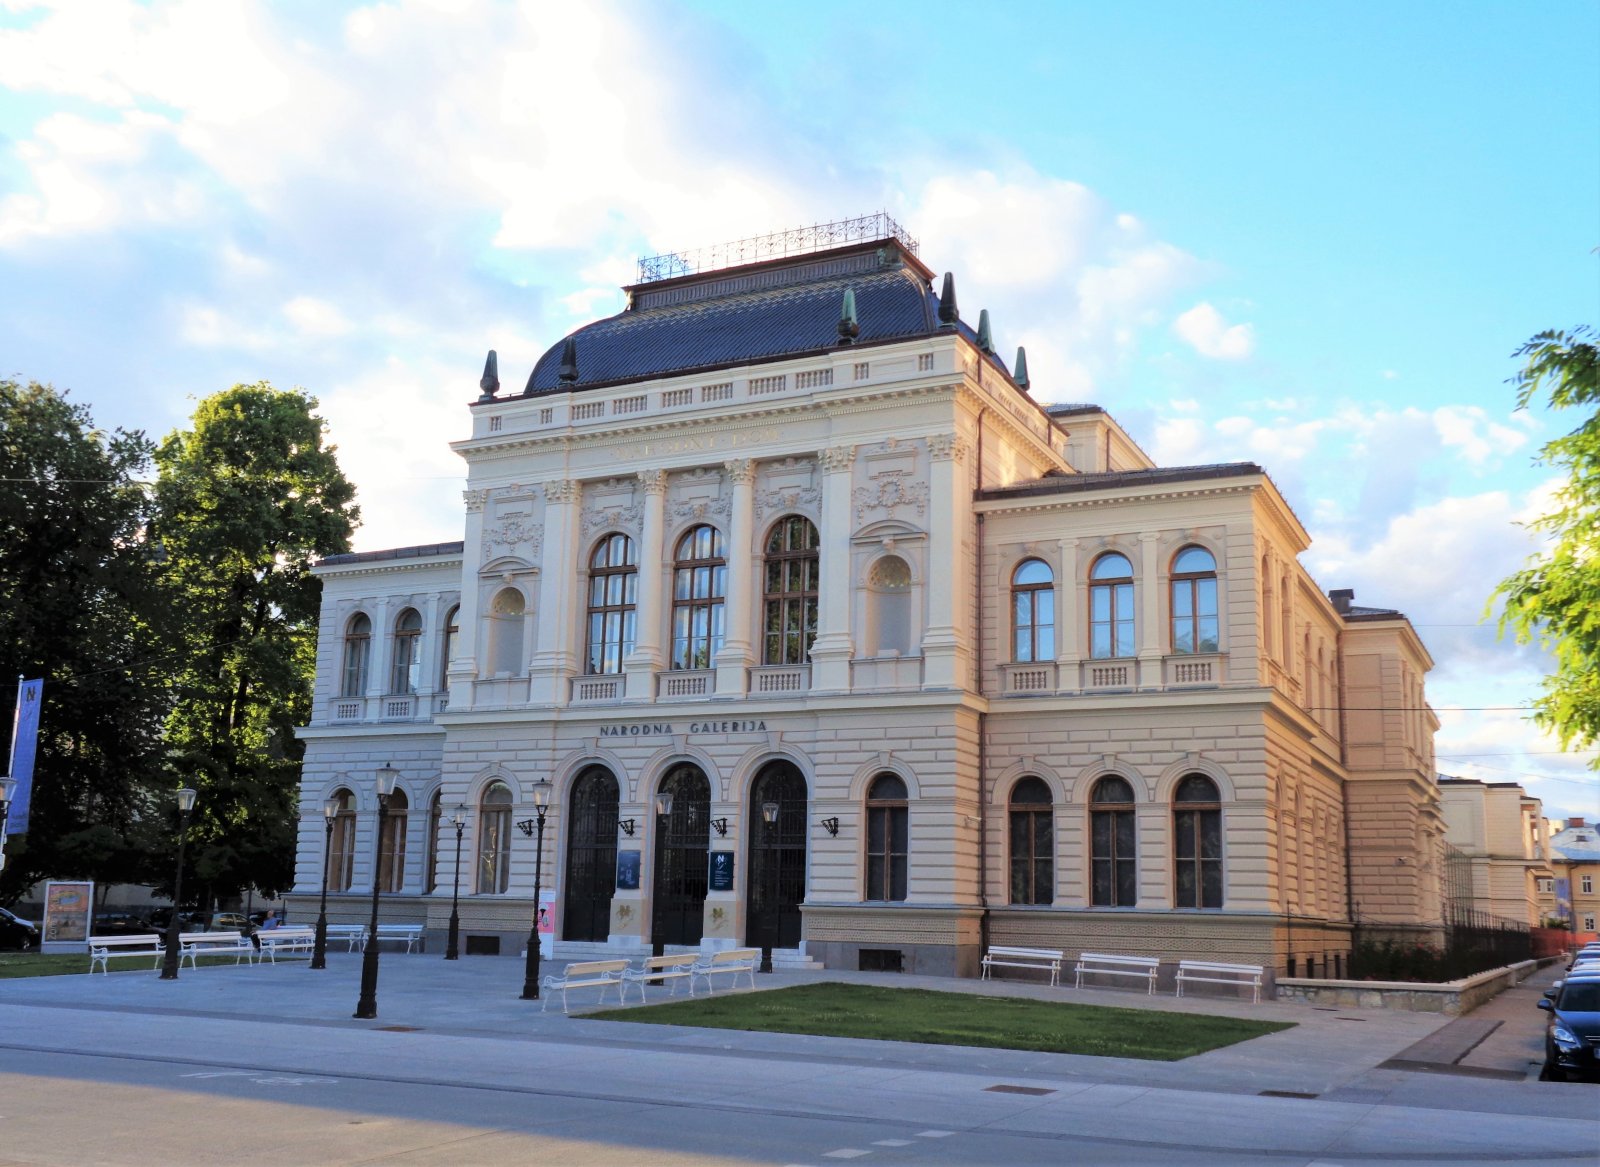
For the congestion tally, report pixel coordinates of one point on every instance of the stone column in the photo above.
(1150, 634)
(945, 650)
(463, 664)
(645, 659)
(832, 649)
(560, 593)
(733, 662)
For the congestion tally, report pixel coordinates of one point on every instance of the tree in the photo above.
(1555, 600)
(81, 606)
(244, 503)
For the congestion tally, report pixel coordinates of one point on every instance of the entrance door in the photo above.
(678, 894)
(591, 856)
(777, 857)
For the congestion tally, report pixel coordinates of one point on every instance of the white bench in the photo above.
(656, 969)
(101, 948)
(1221, 974)
(1008, 956)
(583, 974)
(1111, 965)
(731, 961)
(354, 934)
(193, 944)
(408, 934)
(286, 940)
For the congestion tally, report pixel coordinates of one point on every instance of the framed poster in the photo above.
(719, 875)
(67, 909)
(627, 871)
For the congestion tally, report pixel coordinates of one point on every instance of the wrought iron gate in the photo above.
(591, 856)
(678, 892)
(777, 858)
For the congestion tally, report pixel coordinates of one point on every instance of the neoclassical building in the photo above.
(923, 663)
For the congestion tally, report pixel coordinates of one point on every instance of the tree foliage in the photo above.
(1555, 600)
(246, 500)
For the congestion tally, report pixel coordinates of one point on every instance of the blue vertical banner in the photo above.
(24, 740)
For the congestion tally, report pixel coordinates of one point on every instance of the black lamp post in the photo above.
(769, 821)
(452, 948)
(658, 944)
(169, 961)
(541, 803)
(319, 950)
(367, 1006)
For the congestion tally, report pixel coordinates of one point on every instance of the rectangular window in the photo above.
(925, 362)
(862, 371)
(1588, 923)
(1588, 884)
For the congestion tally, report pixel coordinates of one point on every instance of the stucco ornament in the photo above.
(890, 493)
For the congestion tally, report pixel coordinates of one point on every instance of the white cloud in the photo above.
(1211, 336)
(314, 317)
(1468, 430)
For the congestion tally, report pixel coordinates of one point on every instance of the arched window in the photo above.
(1033, 867)
(392, 843)
(342, 844)
(889, 592)
(789, 621)
(1033, 607)
(1111, 607)
(699, 583)
(613, 594)
(888, 831)
(505, 638)
(1194, 601)
(1266, 606)
(452, 629)
(404, 668)
(494, 840)
(357, 646)
(430, 858)
(1112, 842)
(1197, 843)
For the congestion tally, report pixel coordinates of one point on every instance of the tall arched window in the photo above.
(1111, 607)
(494, 840)
(342, 844)
(889, 593)
(430, 858)
(789, 619)
(404, 669)
(1197, 843)
(1033, 867)
(888, 838)
(699, 583)
(392, 843)
(452, 629)
(1033, 607)
(1194, 601)
(1112, 843)
(357, 647)
(505, 638)
(613, 595)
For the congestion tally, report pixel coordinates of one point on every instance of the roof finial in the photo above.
(848, 328)
(947, 302)
(569, 362)
(1019, 371)
(490, 382)
(985, 336)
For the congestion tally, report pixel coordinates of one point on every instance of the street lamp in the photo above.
(169, 962)
(658, 944)
(769, 819)
(541, 803)
(367, 1006)
(452, 949)
(319, 951)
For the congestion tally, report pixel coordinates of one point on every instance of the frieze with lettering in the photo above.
(665, 728)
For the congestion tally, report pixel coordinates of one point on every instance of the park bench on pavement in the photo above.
(101, 948)
(655, 970)
(234, 944)
(583, 974)
(286, 940)
(1009, 956)
(730, 961)
(1216, 972)
(1112, 965)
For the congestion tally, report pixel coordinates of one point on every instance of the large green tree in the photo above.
(1555, 600)
(246, 500)
(81, 606)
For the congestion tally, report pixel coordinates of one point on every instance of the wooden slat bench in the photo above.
(583, 974)
(1218, 973)
(731, 961)
(101, 948)
(286, 940)
(1112, 965)
(654, 970)
(234, 944)
(1009, 956)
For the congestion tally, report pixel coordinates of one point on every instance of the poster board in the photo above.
(68, 908)
(719, 874)
(547, 923)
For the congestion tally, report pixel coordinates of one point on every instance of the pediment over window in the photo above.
(508, 565)
(892, 529)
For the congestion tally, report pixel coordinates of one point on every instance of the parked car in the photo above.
(229, 922)
(15, 932)
(1572, 1033)
(189, 920)
(120, 924)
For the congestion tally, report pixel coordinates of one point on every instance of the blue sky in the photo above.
(1308, 236)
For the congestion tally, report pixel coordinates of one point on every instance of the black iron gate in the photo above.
(777, 865)
(678, 892)
(591, 856)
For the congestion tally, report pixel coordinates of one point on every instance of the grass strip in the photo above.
(56, 964)
(830, 1009)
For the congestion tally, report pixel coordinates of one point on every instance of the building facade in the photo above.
(1497, 832)
(1571, 893)
(924, 664)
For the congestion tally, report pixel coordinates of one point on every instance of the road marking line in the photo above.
(891, 1142)
(934, 1134)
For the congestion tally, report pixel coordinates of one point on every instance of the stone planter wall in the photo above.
(1453, 997)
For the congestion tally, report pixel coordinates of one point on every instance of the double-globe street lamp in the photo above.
(367, 1005)
(319, 950)
(169, 960)
(452, 949)
(541, 803)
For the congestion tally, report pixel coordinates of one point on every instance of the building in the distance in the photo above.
(1572, 891)
(922, 663)
(1495, 832)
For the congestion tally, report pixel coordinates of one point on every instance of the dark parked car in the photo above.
(1572, 1034)
(120, 924)
(189, 920)
(15, 932)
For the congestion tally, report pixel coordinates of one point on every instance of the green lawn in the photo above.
(919, 1015)
(56, 964)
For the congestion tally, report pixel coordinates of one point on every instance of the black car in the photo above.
(1572, 1035)
(120, 924)
(15, 932)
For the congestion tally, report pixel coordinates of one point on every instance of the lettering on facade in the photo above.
(734, 440)
(664, 728)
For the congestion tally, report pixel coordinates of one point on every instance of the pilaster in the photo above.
(734, 660)
(832, 649)
(645, 659)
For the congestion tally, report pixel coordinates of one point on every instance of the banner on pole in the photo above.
(24, 740)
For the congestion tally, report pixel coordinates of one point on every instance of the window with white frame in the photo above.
(392, 843)
(1587, 884)
(613, 600)
(699, 586)
(789, 593)
(1194, 601)
(1113, 882)
(494, 840)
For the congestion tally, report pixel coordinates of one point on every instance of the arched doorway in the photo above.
(591, 856)
(678, 892)
(777, 861)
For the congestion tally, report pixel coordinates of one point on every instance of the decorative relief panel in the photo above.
(836, 458)
(611, 505)
(889, 493)
(805, 499)
(942, 446)
(699, 510)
